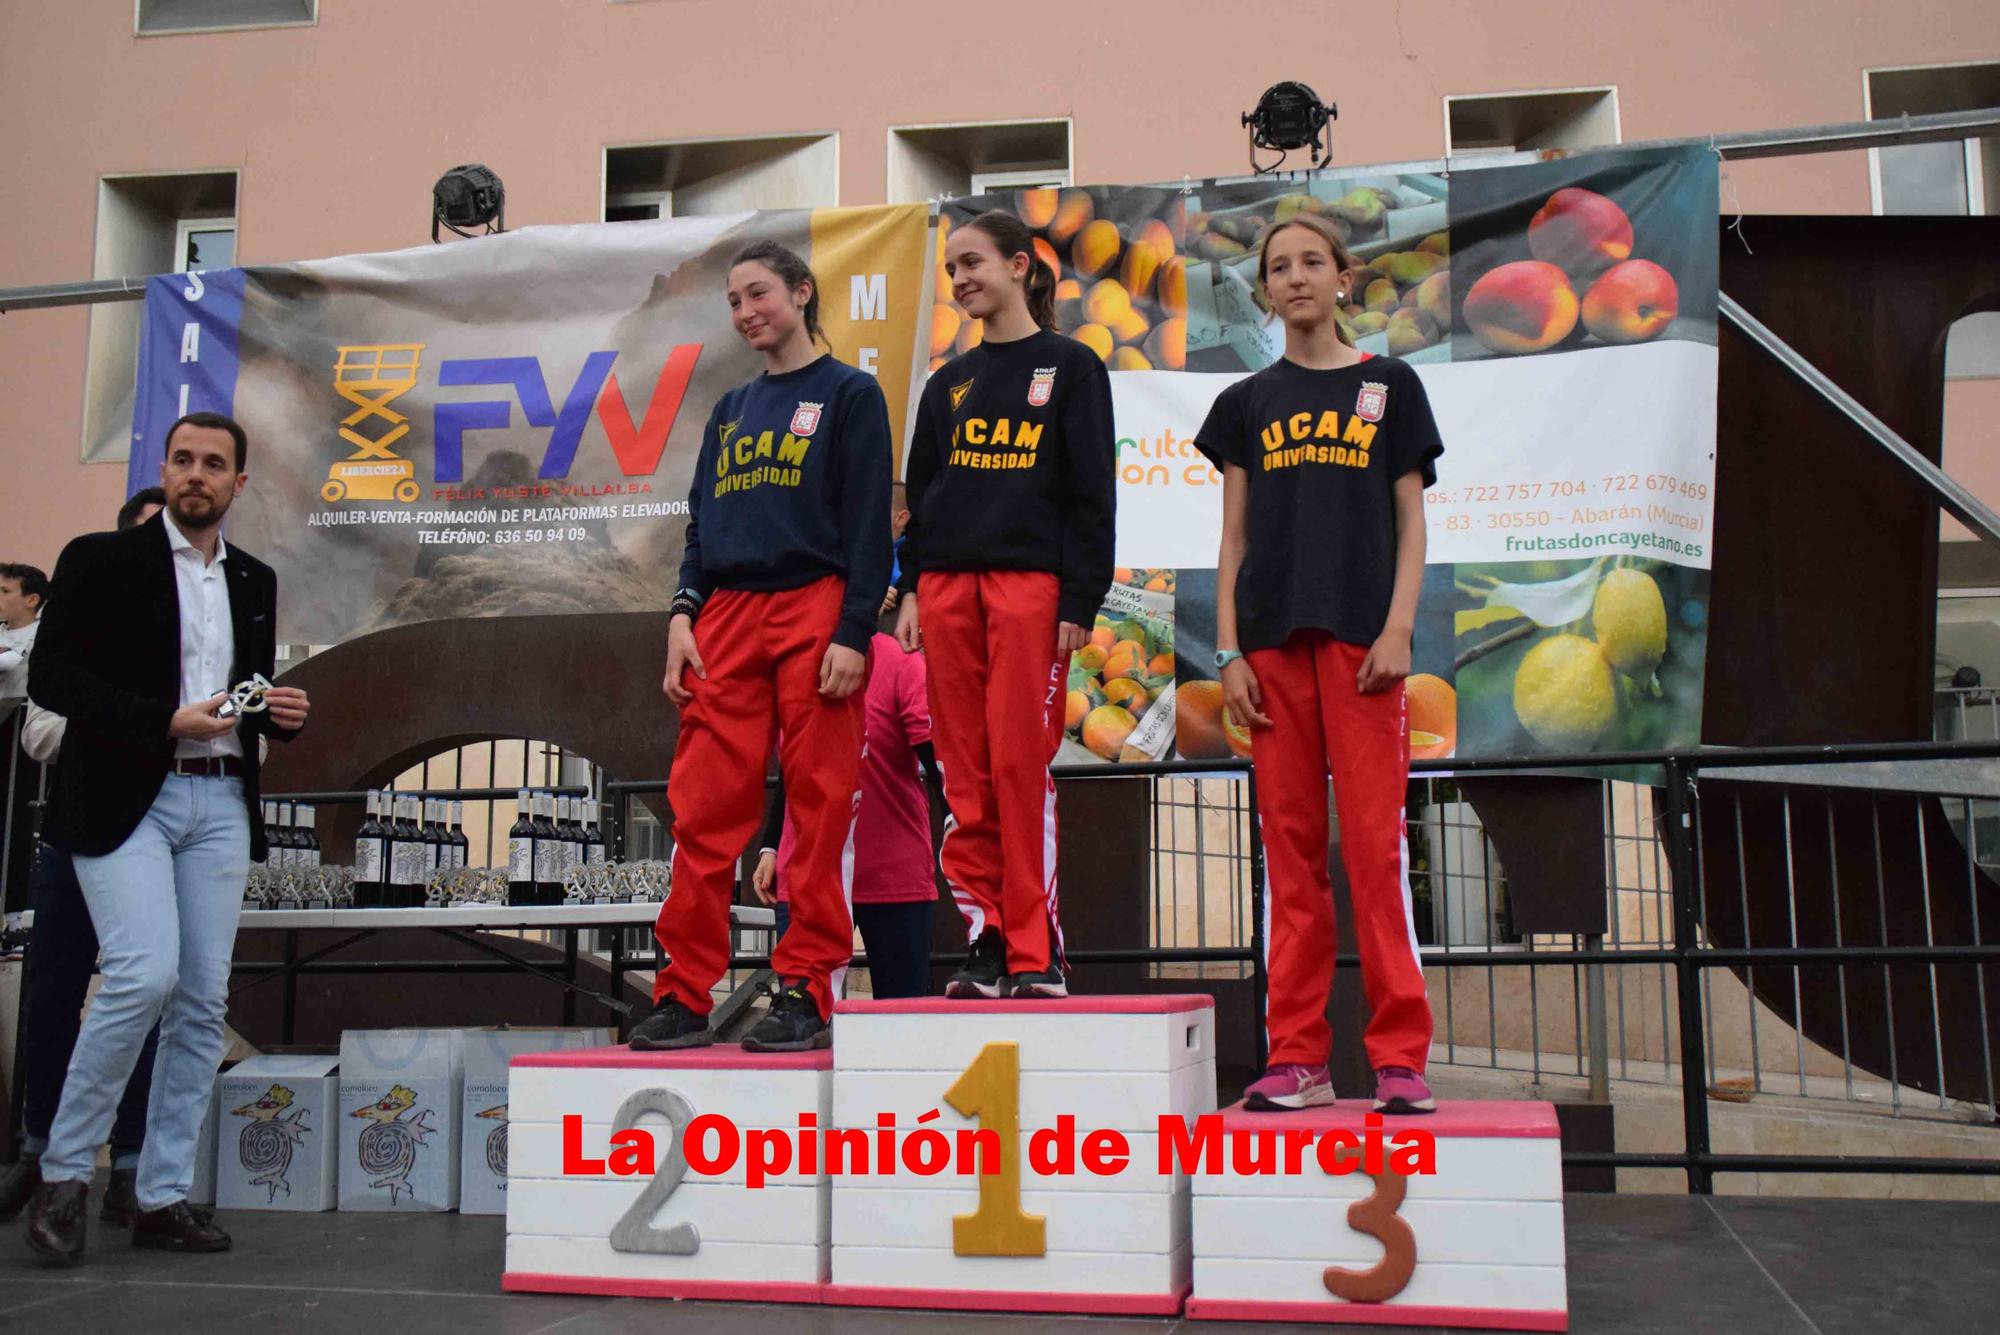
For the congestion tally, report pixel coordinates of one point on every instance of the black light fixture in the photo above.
(466, 197)
(1288, 116)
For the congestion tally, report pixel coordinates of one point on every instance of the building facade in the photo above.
(158, 134)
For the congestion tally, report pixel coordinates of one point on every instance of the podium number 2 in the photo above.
(1376, 1216)
(634, 1231)
(990, 1090)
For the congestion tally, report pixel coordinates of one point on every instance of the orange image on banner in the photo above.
(870, 264)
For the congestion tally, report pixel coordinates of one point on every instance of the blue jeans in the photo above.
(62, 955)
(165, 903)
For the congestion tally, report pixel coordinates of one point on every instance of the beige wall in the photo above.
(339, 130)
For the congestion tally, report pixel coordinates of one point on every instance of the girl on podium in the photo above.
(787, 556)
(1006, 559)
(1325, 455)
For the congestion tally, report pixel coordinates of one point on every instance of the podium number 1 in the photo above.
(990, 1090)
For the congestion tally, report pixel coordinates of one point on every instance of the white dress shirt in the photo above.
(208, 634)
(15, 646)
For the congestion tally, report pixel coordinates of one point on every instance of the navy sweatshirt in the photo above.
(1013, 467)
(792, 486)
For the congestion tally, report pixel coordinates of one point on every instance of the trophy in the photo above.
(245, 697)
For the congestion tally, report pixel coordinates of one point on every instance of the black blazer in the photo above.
(108, 659)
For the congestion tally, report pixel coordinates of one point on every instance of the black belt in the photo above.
(213, 767)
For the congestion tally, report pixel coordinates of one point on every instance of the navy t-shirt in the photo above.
(792, 486)
(1013, 466)
(1323, 450)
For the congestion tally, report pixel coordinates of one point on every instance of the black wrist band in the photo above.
(684, 604)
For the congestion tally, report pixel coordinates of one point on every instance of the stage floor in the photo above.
(1673, 1265)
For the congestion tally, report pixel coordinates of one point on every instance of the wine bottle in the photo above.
(593, 834)
(308, 837)
(521, 852)
(548, 852)
(368, 866)
(271, 848)
(461, 856)
(433, 846)
(572, 841)
(409, 856)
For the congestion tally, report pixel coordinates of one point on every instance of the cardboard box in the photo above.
(278, 1146)
(483, 1134)
(399, 1118)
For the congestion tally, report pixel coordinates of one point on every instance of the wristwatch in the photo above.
(1224, 657)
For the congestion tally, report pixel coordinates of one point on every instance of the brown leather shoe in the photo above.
(121, 1198)
(19, 1185)
(56, 1222)
(177, 1228)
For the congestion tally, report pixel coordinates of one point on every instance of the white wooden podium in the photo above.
(1484, 1234)
(1026, 1240)
(672, 1234)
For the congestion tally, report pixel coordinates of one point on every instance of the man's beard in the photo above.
(216, 510)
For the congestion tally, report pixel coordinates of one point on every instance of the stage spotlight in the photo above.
(466, 197)
(1288, 116)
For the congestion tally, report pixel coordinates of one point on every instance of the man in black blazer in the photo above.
(156, 800)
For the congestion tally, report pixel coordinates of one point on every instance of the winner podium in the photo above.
(1029, 1156)
(1048, 1233)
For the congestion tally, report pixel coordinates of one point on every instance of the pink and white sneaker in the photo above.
(1398, 1089)
(1287, 1087)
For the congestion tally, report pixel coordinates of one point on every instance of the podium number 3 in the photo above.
(990, 1090)
(1376, 1216)
(634, 1231)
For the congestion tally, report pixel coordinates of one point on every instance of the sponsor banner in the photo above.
(504, 426)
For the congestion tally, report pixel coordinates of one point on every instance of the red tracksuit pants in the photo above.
(1321, 725)
(996, 721)
(762, 652)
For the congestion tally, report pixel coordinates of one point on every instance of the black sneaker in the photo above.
(1045, 983)
(670, 1024)
(794, 1023)
(984, 973)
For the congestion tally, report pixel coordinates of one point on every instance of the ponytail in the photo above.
(794, 273)
(1011, 237)
(1041, 293)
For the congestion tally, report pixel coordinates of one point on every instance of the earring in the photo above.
(1341, 297)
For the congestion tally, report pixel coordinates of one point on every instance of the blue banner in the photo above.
(187, 360)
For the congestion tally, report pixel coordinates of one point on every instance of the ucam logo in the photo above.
(637, 446)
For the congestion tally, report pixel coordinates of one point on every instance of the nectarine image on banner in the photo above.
(1116, 255)
(1602, 250)
(1395, 228)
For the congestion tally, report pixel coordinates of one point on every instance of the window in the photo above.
(985, 183)
(928, 162)
(639, 206)
(145, 225)
(664, 180)
(155, 17)
(1505, 122)
(1958, 176)
(204, 243)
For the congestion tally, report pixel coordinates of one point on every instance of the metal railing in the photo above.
(1670, 994)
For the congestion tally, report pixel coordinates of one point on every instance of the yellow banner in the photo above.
(870, 264)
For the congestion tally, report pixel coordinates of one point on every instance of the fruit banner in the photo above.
(499, 426)
(1562, 317)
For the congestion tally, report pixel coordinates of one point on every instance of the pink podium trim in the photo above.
(982, 1300)
(1496, 1119)
(1376, 1314)
(721, 1057)
(1164, 1004)
(527, 1281)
